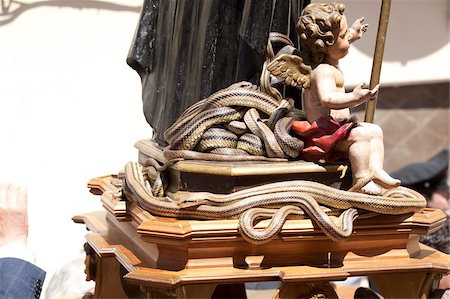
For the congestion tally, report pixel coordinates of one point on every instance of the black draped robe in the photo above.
(185, 50)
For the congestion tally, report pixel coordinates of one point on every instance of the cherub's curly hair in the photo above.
(315, 29)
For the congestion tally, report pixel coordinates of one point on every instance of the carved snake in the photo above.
(292, 195)
(241, 94)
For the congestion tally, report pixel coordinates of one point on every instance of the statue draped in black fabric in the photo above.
(184, 50)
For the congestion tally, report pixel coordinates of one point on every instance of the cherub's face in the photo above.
(341, 44)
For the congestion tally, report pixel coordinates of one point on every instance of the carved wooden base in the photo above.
(120, 267)
(167, 257)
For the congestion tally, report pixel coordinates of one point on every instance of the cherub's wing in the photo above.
(291, 69)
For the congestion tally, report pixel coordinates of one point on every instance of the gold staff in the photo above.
(378, 57)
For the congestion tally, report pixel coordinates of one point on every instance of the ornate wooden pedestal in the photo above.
(139, 255)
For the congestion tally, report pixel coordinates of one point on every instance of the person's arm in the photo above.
(19, 277)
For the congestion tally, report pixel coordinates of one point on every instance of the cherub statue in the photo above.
(325, 38)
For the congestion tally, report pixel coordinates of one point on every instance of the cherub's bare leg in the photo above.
(361, 169)
(381, 177)
(358, 147)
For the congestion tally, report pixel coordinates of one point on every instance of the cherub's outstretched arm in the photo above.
(357, 30)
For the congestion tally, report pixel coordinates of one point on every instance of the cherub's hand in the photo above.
(364, 94)
(357, 29)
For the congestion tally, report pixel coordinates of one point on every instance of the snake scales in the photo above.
(244, 123)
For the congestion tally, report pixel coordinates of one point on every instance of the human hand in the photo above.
(357, 29)
(13, 215)
(364, 94)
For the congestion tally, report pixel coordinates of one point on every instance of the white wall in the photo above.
(70, 107)
(70, 110)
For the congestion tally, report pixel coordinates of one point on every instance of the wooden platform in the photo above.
(165, 257)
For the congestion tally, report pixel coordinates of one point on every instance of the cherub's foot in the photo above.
(374, 182)
(383, 179)
(366, 185)
(372, 188)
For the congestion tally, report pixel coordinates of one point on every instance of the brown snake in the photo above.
(292, 146)
(306, 195)
(260, 129)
